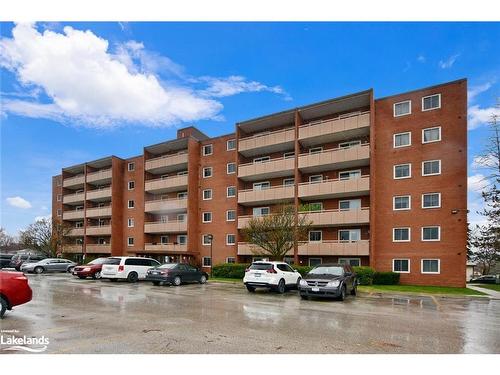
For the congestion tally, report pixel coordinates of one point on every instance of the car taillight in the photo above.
(271, 270)
(24, 278)
(248, 269)
(120, 268)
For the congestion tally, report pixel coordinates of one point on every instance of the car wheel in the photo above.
(38, 270)
(132, 277)
(342, 293)
(281, 287)
(251, 289)
(298, 283)
(354, 290)
(177, 280)
(96, 275)
(203, 279)
(304, 296)
(3, 302)
(70, 269)
(156, 283)
(81, 277)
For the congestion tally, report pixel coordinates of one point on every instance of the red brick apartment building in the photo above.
(385, 180)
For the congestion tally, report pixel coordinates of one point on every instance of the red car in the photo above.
(14, 290)
(91, 269)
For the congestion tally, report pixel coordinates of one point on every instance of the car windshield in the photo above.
(168, 266)
(261, 266)
(333, 270)
(100, 261)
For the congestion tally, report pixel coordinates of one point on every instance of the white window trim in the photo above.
(59, 212)
(257, 160)
(309, 260)
(349, 230)
(211, 172)
(203, 217)
(394, 108)
(399, 165)
(409, 265)
(227, 241)
(317, 150)
(259, 183)
(429, 96)
(350, 171)
(128, 204)
(394, 237)
(227, 144)
(430, 273)
(288, 179)
(203, 194)
(227, 192)
(309, 236)
(261, 208)
(289, 155)
(227, 259)
(182, 195)
(431, 174)
(211, 150)
(131, 167)
(164, 236)
(394, 140)
(179, 236)
(203, 262)
(128, 185)
(227, 168)
(316, 175)
(128, 241)
(433, 127)
(227, 212)
(347, 260)
(431, 226)
(59, 197)
(348, 200)
(401, 209)
(430, 208)
(203, 240)
(130, 220)
(349, 144)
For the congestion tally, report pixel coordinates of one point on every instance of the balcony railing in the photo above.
(73, 249)
(73, 214)
(335, 188)
(99, 193)
(96, 230)
(165, 227)
(268, 139)
(273, 168)
(75, 232)
(165, 205)
(334, 247)
(337, 158)
(74, 181)
(98, 248)
(167, 184)
(102, 175)
(272, 194)
(165, 248)
(99, 212)
(74, 198)
(166, 161)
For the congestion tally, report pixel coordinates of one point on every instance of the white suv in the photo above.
(277, 276)
(128, 268)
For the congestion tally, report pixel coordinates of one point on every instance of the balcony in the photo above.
(75, 232)
(267, 142)
(165, 248)
(280, 167)
(339, 158)
(246, 248)
(167, 163)
(167, 227)
(73, 249)
(326, 248)
(342, 127)
(100, 177)
(98, 248)
(98, 230)
(339, 217)
(72, 182)
(74, 198)
(73, 215)
(165, 185)
(335, 188)
(99, 194)
(99, 212)
(166, 205)
(274, 194)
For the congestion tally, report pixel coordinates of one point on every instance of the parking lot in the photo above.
(87, 316)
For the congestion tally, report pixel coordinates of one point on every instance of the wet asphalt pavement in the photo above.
(87, 316)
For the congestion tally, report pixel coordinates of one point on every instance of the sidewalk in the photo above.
(491, 293)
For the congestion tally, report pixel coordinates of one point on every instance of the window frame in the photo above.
(348, 261)
(431, 128)
(316, 182)
(409, 265)
(401, 196)
(261, 159)
(203, 217)
(401, 102)
(203, 262)
(350, 230)
(399, 165)
(315, 150)
(203, 240)
(394, 234)
(427, 208)
(394, 139)
(315, 231)
(227, 215)
(316, 258)
(207, 169)
(349, 144)
(227, 144)
(432, 240)
(203, 194)
(349, 171)
(289, 179)
(430, 273)
(204, 150)
(182, 235)
(131, 166)
(128, 241)
(128, 203)
(259, 183)
(227, 192)
(289, 155)
(431, 174)
(227, 168)
(233, 258)
(133, 185)
(130, 221)
(227, 239)
(430, 96)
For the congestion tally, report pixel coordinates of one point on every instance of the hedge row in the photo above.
(364, 274)
(230, 270)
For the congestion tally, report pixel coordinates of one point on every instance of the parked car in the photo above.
(131, 269)
(14, 290)
(49, 265)
(92, 269)
(485, 279)
(18, 260)
(329, 280)
(176, 274)
(5, 260)
(277, 276)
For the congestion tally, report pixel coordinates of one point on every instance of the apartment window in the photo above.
(182, 239)
(315, 150)
(131, 167)
(205, 239)
(262, 159)
(401, 234)
(164, 176)
(315, 236)
(206, 217)
(315, 262)
(79, 224)
(315, 206)
(230, 260)
(79, 241)
(231, 145)
(131, 185)
(260, 211)
(59, 212)
(353, 262)
(207, 262)
(163, 240)
(402, 171)
(207, 150)
(430, 266)
(58, 182)
(349, 144)
(230, 239)
(431, 167)
(207, 172)
(231, 191)
(59, 197)
(130, 222)
(101, 205)
(181, 218)
(431, 200)
(316, 179)
(164, 219)
(288, 181)
(79, 208)
(131, 204)
(102, 241)
(351, 204)
(207, 194)
(430, 135)
(289, 155)
(349, 235)
(182, 195)
(401, 202)
(231, 168)
(401, 265)
(349, 175)
(402, 139)
(261, 185)
(431, 233)
(230, 215)
(130, 241)
(182, 173)
(431, 102)
(402, 108)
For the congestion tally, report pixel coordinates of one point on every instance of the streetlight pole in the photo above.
(211, 238)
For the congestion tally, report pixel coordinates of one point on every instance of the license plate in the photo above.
(257, 275)
(315, 289)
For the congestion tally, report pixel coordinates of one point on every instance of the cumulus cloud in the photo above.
(448, 63)
(18, 202)
(480, 116)
(477, 183)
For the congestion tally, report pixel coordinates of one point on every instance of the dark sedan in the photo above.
(486, 279)
(329, 280)
(176, 274)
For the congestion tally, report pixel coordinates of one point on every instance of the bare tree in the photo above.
(45, 236)
(276, 234)
(489, 159)
(60, 231)
(5, 240)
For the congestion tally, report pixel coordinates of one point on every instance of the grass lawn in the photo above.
(224, 280)
(417, 289)
(495, 287)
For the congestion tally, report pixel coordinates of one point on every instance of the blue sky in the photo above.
(73, 92)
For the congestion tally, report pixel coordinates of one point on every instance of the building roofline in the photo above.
(423, 88)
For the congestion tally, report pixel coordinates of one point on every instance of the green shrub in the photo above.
(303, 270)
(386, 278)
(230, 270)
(364, 275)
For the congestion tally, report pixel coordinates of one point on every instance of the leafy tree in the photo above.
(276, 234)
(45, 236)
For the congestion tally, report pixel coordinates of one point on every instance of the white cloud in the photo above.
(477, 183)
(480, 116)
(421, 59)
(45, 217)
(449, 62)
(476, 90)
(18, 202)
